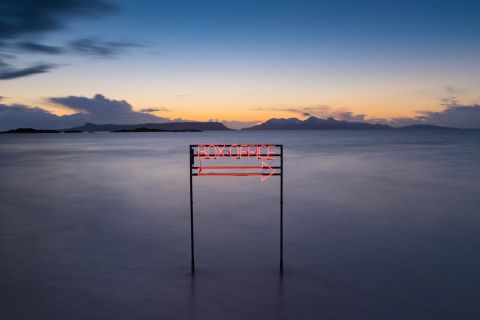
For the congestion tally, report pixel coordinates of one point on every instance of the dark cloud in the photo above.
(98, 109)
(100, 48)
(21, 116)
(160, 109)
(456, 116)
(21, 20)
(103, 110)
(26, 17)
(39, 48)
(8, 72)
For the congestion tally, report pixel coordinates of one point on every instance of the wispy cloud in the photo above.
(36, 47)
(321, 111)
(449, 101)
(454, 90)
(348, 116)
(100, 48)
(303, 111)
(158, 109)
(20, 21)
(8, 72)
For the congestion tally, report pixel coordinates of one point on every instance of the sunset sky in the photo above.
(244, 60)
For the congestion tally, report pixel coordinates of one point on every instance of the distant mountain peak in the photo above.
(284, 119)
(313, 123)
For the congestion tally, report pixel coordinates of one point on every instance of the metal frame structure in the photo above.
(238, 171)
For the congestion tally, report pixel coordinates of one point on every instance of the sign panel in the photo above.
(262, 160)
(236, 160)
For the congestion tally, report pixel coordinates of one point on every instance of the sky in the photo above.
(240, 62)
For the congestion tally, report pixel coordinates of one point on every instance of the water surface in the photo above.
(378, 225)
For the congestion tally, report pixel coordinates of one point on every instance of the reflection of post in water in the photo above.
(191, 296)
(279, 296)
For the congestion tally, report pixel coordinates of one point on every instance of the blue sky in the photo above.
(246, 60)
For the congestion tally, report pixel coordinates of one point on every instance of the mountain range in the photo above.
(177, 126)
(311, 123)
(314, 123)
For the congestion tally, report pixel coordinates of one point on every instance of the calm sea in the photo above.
(378, 225)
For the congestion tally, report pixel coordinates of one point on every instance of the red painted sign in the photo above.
(236, 160)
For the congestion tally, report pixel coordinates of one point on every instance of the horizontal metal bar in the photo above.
(243, 144)
(234, 174)
(227, 156)
(235, 167)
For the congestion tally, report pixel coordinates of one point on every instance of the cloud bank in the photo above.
(98, 109)
(456, 116)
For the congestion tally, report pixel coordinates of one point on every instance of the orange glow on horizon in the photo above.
(196, 109)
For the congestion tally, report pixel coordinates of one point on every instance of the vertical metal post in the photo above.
(281, 210)
(191, 209)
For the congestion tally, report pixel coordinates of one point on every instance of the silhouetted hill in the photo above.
(30, 130)
(168, 126)
(314, 123)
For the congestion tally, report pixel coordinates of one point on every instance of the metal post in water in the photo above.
(191, 210)
(281, 210)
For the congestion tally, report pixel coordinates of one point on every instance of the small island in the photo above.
(30, 130)
(160, 127)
